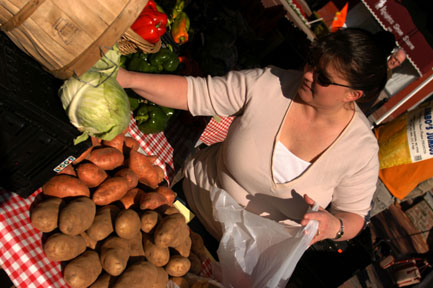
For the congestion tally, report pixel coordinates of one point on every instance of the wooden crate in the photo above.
(67, 37)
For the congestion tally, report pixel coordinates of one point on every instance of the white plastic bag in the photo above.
(255, 251)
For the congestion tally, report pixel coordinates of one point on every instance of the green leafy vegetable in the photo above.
(96, 104)
(109, 63)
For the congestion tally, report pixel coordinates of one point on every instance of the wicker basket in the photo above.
(66, 37)
(130, 42)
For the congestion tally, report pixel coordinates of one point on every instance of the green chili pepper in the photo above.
(177, 9)
(180, 28)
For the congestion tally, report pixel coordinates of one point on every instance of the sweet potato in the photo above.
(104, 280)
(127, 224)
(169, 194)
(152, 200)
(148, 219)
(178, 266)
(102, 225)
(83, 156)
(110, 190)
(45, 214)
(131, 143)
(129, 175)
(65, 186)
(95, 141)
(171, 231)
(90, 174)
(62, 247)
(116, 142)
(69, 170)
(158, 256)
(83, 270)
(132, 197)
(159, 173)
(77, 216)
(107, 158)
(152, 158)
(138, 275)
(114, 255)
(145, 170)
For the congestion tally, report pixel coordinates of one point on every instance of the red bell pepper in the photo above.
(151, 24)
(151, 4)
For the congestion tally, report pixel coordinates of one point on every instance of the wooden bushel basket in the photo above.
(67, 36)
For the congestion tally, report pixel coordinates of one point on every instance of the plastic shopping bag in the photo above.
(255, 251)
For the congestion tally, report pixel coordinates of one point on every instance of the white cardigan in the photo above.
(344, 176)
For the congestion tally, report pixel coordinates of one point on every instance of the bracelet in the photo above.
(340, 233)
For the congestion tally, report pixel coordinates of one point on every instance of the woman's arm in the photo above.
(329, 224)
(162, 89)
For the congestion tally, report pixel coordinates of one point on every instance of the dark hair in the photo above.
(385, 40)
(355, 54)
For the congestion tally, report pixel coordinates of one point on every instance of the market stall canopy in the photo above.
(394, 16)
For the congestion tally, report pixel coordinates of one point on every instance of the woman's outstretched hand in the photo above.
(328, 226)
(122, 77)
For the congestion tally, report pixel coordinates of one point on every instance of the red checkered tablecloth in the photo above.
(216, 130)
(20, 244)
(154, 144)
(21, 254)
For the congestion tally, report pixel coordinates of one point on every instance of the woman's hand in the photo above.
(122, 77)
(328, 226)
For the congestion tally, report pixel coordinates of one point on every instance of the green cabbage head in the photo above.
(96, 104)
(109, 63)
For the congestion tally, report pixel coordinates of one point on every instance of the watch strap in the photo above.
(340, 233)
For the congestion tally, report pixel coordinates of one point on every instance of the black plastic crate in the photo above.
(35, 133)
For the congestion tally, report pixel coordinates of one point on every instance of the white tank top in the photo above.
(287, 165)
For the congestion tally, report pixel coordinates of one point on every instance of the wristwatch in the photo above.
(340, 233)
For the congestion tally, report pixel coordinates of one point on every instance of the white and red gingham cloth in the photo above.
(21, 254)
(216, 130)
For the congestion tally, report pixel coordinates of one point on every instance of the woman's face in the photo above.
(324, 89)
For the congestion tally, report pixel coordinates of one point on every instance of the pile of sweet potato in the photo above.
(111, 223)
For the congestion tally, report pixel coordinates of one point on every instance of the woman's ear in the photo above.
(354, 95)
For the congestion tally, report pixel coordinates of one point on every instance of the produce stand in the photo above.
(22, 256)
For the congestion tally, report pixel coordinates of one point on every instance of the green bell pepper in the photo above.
(139, 63)
(134, 103)
(164, 59)
(152, 118)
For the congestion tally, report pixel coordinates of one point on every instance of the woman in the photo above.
(297, 138)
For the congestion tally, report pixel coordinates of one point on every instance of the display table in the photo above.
(21, 254)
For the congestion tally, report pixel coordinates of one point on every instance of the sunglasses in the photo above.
(321, 79)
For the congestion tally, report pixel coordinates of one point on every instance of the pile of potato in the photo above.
(111, 223)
